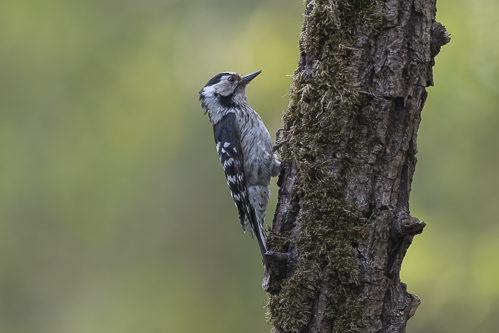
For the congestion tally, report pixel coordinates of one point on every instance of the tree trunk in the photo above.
(342, 224)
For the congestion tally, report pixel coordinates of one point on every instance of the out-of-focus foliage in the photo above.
(114, 213)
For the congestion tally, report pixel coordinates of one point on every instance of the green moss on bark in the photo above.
(325, 93)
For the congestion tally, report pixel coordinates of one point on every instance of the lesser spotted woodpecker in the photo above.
(244, 147)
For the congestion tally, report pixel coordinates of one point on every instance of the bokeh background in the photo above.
(114, 212)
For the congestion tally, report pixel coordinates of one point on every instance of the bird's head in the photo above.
(224, 92)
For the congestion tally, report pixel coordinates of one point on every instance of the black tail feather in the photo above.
(258, 232)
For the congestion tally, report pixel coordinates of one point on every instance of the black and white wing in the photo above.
(228, 141)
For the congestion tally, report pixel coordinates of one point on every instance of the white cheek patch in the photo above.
(212, 105)
(225, 90)
(209, 91)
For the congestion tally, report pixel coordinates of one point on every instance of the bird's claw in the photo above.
(278, 143)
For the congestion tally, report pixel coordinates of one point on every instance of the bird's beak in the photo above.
(247, 79)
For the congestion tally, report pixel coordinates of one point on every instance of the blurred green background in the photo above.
(114, 213)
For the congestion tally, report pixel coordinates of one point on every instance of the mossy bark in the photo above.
(348, 160)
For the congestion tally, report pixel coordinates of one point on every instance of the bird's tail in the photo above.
(255, 216)
(257, 227)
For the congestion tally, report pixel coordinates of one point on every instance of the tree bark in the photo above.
(342, 224)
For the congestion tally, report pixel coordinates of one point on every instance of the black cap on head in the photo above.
(216, 79)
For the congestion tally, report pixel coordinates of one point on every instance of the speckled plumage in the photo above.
(244, 147)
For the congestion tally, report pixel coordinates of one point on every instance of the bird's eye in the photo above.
(230, 79)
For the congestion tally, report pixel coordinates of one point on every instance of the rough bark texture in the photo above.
(342, 223)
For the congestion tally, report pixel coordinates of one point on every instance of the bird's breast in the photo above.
(256, 144)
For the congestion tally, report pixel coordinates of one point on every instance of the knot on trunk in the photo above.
(439, 37)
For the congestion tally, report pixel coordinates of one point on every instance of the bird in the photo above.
(244, 147)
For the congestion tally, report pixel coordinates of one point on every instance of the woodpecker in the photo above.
(244, 147)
